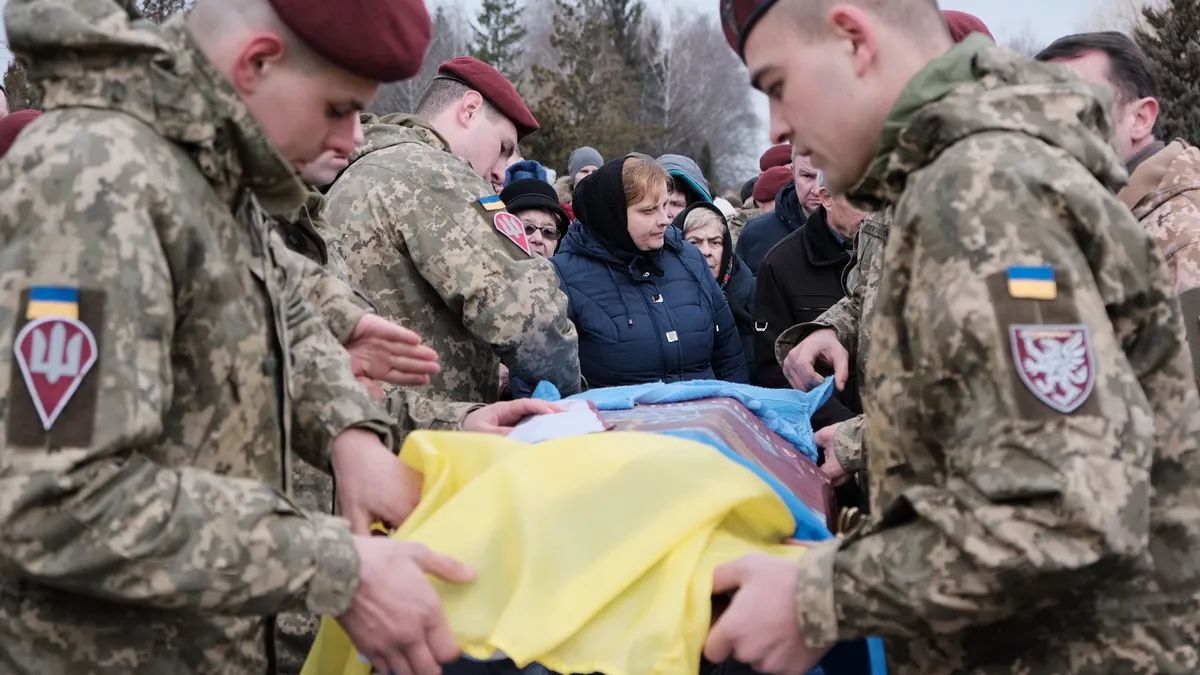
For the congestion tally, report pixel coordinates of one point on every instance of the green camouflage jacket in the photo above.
(406, 217)
(1033, 426)
(165, 364)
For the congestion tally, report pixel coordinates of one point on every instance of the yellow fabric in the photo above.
(593, 554)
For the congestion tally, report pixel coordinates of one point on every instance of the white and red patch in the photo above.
(512, 227)
(1056, 363)
(54, 355)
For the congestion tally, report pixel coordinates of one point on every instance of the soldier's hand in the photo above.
(372, 483)
(500, 418)
(826, 438)
(383, 351)
(759, 627)
(800, 366)
(396, 619)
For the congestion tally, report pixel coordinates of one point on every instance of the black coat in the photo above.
(799, 279)
(763, 232)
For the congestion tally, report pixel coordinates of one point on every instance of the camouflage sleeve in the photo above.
(506, 297)
(336, 302)
(412, 411)
(848, 445)
(1026, 500)
(95, 515)
(327, 398)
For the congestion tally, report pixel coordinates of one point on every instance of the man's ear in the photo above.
(853, 29)
(261, 54)
(1145, 115)
(470, 106)
(826, 197)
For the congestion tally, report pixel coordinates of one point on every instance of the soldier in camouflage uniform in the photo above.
(1033, 424)
(425, 237)
(1164, 182)
(164, 362)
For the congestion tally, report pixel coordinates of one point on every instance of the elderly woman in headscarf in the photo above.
(706, 227)
(645, 302)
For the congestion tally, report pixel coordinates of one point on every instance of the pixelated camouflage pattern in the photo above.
(405, 217)
(1164, 195)
(320, 277)
(1005, 536)
(156, 543)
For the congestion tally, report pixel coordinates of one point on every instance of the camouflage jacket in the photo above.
(850, 319)
(1033, 461)
(321, 275)
(1164, 195)
(144, 526)
(407, 218)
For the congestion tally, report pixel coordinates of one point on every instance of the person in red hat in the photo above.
(1011, 527)
(769, 184)
(416, 210)
(776, 155)
(167, 371)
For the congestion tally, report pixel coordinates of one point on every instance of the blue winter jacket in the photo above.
(636, 327)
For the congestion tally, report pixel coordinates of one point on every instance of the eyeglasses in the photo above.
(548, 233)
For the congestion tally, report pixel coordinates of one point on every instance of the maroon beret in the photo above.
(962, 24)
(776, 155)
(770, 183)
(494, 87)
(12, 125)
(738, 17)
(382, 40)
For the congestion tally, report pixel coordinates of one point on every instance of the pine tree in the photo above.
(498, 36)
(1171, 39)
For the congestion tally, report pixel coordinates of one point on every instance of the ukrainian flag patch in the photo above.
(52, 301)
(1032, 283)
(491, 203)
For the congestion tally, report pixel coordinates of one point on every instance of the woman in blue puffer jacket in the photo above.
(643, 300)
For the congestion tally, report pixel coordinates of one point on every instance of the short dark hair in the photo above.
(444, 92)
(1129, 69)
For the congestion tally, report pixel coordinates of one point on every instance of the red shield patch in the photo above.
(54, 355)
(512, 227)
(1055, 363)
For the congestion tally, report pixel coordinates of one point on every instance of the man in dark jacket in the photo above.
(799, 279)
(794, 202)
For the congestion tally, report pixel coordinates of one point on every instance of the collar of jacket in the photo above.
(97, 54)
(385, 131)
(974, 88)
(788, 209)
(820, 244)
(583, 241)
(1161, 177)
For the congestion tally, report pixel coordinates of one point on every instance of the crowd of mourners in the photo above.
(189, 250)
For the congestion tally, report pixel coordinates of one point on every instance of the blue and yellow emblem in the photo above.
(52, 301)
(491, 203)
(1032, 283)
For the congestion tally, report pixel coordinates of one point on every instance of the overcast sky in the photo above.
(1045, 19)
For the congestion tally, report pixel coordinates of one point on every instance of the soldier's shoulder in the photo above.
(110, 146)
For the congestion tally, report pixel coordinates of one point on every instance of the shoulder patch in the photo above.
(511, 226)
(1055, 363)
(53, 390)
(491, 203)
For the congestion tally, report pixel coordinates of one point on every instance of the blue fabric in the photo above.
(787, 412)
(637, 326)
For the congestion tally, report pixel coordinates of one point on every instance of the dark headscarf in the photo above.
(599, 203)
(727, 257)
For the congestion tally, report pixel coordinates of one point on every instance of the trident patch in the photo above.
(1055, 363)
(54, 355)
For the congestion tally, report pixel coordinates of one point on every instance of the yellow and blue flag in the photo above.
(491, 203)
(1032, 283)
(52, 301)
